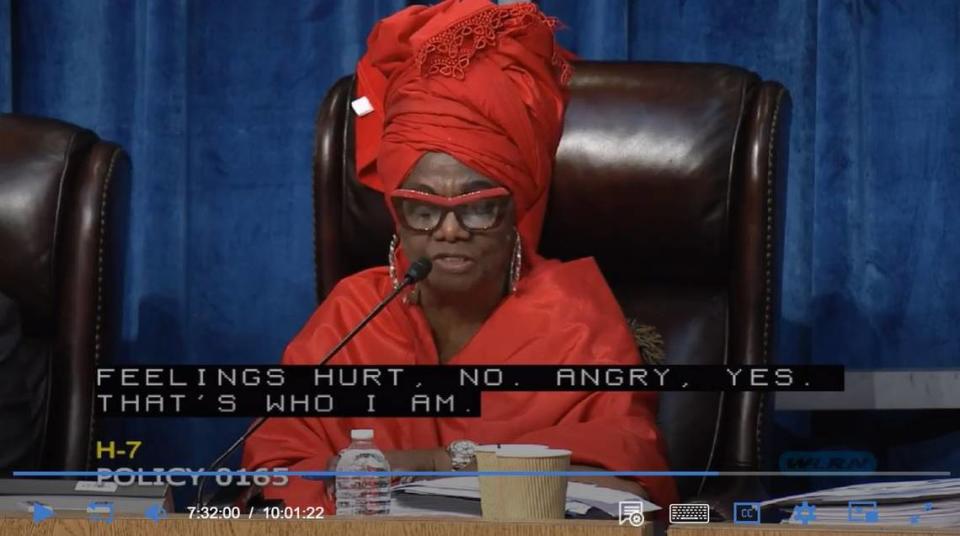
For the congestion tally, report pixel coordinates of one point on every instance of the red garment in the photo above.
(485, 84)
(566, 315)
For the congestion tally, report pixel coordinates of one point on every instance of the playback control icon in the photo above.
(804, 513)
(155, 512)
(41, 512)
(746, 513)
(689, 513)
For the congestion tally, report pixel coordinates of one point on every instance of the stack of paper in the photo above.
(460, 496)
(931, 503)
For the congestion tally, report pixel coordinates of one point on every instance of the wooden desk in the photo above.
(773, 529)
(77, 524)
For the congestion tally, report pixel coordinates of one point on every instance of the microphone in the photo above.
(418, 271)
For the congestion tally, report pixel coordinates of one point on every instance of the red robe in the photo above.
(563, 313)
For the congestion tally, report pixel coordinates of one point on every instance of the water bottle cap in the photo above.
(361, 434)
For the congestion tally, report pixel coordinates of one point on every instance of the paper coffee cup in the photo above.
(489, 492)
(531, 497)
(490, 485)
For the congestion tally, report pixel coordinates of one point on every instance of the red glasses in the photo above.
(477, 211)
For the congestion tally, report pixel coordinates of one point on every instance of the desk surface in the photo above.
(776, 529)
(77, 524)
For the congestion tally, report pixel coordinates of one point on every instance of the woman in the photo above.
(468, 101)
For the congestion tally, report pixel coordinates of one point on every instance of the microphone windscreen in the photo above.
(419, 270)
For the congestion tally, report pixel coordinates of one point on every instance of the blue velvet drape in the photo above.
(215, 102)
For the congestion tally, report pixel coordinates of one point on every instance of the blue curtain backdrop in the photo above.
(215, 103)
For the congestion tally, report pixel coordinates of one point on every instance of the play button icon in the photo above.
(41, 512)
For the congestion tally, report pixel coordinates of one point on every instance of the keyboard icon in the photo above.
(689, 513)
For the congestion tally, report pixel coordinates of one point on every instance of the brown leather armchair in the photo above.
(668, 174)
(64, 200)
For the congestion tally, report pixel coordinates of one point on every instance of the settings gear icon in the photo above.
(805, 513)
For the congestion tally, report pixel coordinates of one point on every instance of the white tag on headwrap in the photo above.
(361, 106)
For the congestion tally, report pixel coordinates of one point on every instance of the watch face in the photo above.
(463, 447)
(462, 452)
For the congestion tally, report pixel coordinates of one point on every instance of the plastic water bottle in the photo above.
(362, 495)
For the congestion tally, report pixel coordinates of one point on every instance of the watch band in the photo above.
(462, 453)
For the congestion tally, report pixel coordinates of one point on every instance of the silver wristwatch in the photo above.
(462, 453)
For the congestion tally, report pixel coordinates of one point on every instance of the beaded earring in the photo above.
(414, 296)
(392, 261)
(516, 264)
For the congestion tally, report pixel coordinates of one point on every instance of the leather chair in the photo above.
(64, 200)
(669, 175)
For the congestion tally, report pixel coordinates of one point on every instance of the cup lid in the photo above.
(493, 447)
(530, 451)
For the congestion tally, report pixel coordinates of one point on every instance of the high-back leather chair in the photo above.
(64, 199)
(668, 174)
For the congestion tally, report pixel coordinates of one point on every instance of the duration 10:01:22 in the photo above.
(293, 512)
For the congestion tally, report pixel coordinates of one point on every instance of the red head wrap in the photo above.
(481, 82)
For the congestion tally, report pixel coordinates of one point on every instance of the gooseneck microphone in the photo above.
(418, 271)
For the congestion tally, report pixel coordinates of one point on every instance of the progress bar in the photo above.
(834, 473)
(327, 474)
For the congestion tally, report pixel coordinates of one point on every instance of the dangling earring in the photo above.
(392, 261)
(516, 264)
(414, 296)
